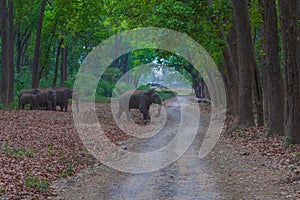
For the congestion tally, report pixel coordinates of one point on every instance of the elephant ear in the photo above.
(148, 94)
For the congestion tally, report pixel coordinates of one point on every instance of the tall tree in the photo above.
(57, 62)
(35, 67)
(298, 36)
(7, 47)
(271, 69)
(63, 67)
(288, 10)
(230, 72)
(245, 62)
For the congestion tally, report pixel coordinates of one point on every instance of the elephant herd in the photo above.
(47, 98)
(50, 98)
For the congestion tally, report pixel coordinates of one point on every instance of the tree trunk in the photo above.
(7, 35)
(258, 94)
(245, 62)
(231, 71)
(291, 73)
(47, 53)
(298, 36)
(125, 63)
(11, 43)
(264, 66)
(35, 67)
(63, 67)
(274, 81)
(115, 63)
(57, 62)
(21, 46)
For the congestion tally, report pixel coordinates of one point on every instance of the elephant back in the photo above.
(63, 94)
(28, 91)
(45, 95)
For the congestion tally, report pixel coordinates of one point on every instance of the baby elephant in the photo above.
(28, 98)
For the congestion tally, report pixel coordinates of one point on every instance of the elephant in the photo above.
(28, 98)
(30, 91)
(139, 99)
(47, 99)
(62, 97)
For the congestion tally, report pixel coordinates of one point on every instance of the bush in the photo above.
(166, 94)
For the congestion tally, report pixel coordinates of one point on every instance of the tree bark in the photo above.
(125, 63)
(63, 67)
(35, 67)
(271, 69)
(7, 35)
(48, 51)
(21, 46)
(258, 93)
(291, 73)
(115, 63)
(245, 62)
(231, 71)
(57, 62)
(11, 42)
(298, 36)
(263, 64)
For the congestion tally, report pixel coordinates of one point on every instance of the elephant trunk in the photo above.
(159, 110)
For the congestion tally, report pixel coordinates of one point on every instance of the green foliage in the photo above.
(107, 82)
(23, 79)
(255, 14)
(85, 83)
(163, 94)
(2, 191)
(101, 99)
(166, 94)
(13, 152)
(39, 184)
(143, 87)
(69, 170)
(287, 142)
(121, 88)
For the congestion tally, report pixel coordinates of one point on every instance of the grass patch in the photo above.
(13, 152)
(166, 94)
(69, 170)
(34, 182)
(100, 99)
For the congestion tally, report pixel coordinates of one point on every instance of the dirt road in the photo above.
(189, 178)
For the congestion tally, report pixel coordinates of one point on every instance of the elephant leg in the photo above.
(66, 107)
(65, 104)
(49, 105)
(19, 105)
(146, 116)
(54, 106)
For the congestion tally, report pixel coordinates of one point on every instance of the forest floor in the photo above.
(42, 157)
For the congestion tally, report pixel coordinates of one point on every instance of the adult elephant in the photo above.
(28, 98)
(30, 91)
(62, 97)
(139, 99)
(47, 99)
